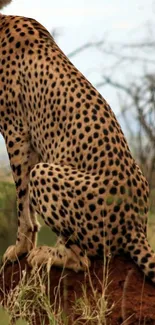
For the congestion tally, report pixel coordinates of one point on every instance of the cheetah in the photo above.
(69, 158)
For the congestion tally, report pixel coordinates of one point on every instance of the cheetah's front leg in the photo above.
(22, 160)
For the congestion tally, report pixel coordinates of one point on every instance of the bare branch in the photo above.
(109, 81)
(129, 58)
(84, 47)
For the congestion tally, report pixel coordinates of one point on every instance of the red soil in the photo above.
(132, 295)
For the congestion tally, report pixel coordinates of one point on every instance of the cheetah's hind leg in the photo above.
(49, 185)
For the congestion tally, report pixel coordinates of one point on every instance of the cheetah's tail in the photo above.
(142, 254)
(4, 3)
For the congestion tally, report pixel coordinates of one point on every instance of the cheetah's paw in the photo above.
(13, 252)
(50, 256)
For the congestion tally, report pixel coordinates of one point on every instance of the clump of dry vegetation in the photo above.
(29, 302)
(94, 309)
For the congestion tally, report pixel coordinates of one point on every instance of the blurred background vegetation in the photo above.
(136, 96)
(8, 217)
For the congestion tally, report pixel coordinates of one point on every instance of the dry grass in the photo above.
(31, 298)
(94, 309)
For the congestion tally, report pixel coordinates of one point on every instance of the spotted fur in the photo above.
(69, 157)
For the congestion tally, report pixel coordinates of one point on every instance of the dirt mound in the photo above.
(131, 296)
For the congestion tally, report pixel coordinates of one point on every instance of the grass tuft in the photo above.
(29, 302)
(30, 299)
(94, 308)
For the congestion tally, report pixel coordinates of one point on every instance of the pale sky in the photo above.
(89, 20)
(83, 19)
